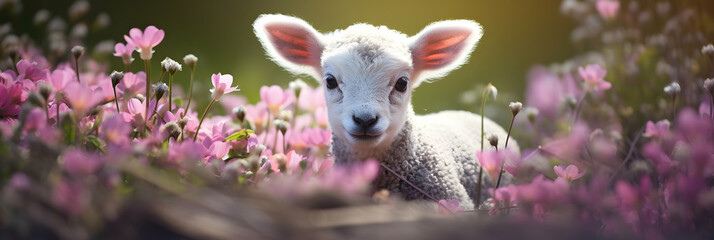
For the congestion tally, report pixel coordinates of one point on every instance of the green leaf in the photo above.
(178, 102)
(239, 135)
(96, 143)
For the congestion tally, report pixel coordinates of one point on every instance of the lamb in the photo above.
(369, 73)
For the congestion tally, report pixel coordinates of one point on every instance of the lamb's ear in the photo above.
(442, 47)
(291, 43)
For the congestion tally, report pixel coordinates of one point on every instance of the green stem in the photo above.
(577, 109)
(480, 168)
(147, 68)
(198, 129)
(47, 111)
(116, 99)
(171, 81)
(57, 104)
(500, 173)
(76, 67)
(674, 108)
(190, 92)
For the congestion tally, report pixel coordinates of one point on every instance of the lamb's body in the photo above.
(435, 152)
(369, 73)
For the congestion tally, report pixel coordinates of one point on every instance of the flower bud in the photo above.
(45, 89)
(516, 107)
(532, 114)
(41, 17)
(286, 115)
(493, 140)
(116, 77)
(140, 96)
(281, 125)
(160, 89)
(257, 149)
(709, 85)
(171, 66)
(190, 61)
(239, 112)
(77, 51)
(171, 129)
(183, 122)
(672, 89)
(297, 85)
(570, 102)
(708, 50)
(491, 91)
(35, 99)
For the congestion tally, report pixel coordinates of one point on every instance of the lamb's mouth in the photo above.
(365, 136)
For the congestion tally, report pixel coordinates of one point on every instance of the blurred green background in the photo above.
(518, 34)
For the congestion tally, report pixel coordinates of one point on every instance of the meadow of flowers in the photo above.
(617, 142)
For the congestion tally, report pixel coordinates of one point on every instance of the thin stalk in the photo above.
(674, 108)
(156, 108)
(500, 173)
(57, 104)
(76, 67)
(190, 92)
(147, 68)
(275, 142)
(116, 99)
(171, 81)
(198, 129)
(633, 146)
(415, 187)
(577, 109)
(480, 168)
(47, 111)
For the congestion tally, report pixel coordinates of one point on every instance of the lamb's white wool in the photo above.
(369, 73)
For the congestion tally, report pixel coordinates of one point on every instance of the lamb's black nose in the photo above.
(365, 120)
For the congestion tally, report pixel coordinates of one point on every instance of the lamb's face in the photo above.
(367, 90)
(368, 72)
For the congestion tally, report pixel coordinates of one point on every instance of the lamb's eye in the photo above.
(330, 81)
(401, 84)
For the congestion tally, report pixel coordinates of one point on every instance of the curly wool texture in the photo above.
(436, 153)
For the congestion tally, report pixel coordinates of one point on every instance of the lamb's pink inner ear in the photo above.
(439, 48)
(294, 44)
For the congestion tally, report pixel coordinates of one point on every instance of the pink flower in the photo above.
(258, 113)
(451, 205)
(60, 78)
(132, 84)
(115, 130)
(276, 98)
(137, 112)
(546, 90)
(31, 70)
(491, 162)
(19, 181)
(569, 173)
(594, 77)
(10, 100)
(232, 101)
(145, 41)
(317, 137)
(82, 98)
(185, 151)
(221, 85)
(321, 116)
(124, 51)
(607, 8)
(310, 99)
(69, 197)
(80, 163)
(657, 130)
